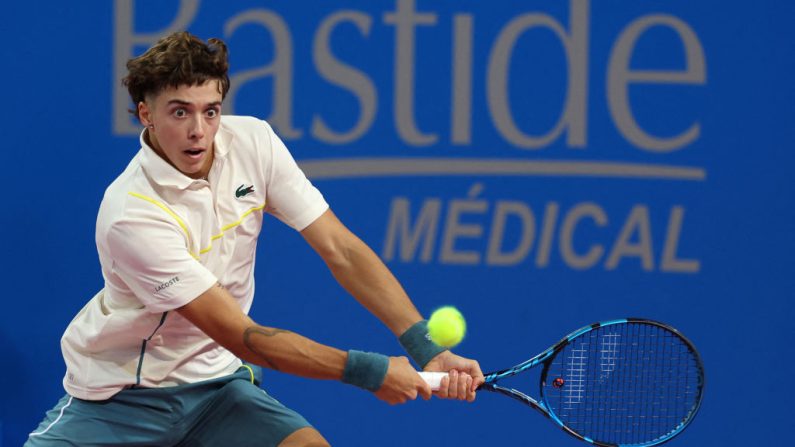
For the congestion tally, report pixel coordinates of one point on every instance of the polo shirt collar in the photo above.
(164, 174)
(223, 139)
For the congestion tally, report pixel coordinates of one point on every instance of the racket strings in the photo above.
(624, 384)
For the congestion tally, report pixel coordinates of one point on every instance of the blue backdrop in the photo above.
(539, 165)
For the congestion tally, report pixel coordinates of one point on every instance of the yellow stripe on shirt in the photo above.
(170, 213)
(185, 227)
(230, 226)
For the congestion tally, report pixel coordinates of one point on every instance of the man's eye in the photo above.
(212, 113)
(179, 113)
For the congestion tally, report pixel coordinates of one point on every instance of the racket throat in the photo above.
(518, 395)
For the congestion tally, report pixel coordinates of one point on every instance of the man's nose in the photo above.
(197, 128)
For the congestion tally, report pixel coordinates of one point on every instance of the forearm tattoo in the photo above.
(249, 339)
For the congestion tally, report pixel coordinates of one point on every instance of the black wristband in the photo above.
(418, 344)
(365, 369)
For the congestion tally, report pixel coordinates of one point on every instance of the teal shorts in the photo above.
(231, 410)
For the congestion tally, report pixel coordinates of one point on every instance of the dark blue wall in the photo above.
(638, 151)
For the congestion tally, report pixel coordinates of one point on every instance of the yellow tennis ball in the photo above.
(447, 326)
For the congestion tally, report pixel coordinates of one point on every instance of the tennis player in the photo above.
(165, 354)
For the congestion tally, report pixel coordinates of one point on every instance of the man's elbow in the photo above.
(337, 256)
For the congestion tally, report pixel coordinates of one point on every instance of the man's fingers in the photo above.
(471, 390)
(424, 389)
(452, 392)
(477, 376)
(467, 389)
(443, 385)
(464, 382)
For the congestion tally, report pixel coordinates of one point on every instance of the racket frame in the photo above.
(545, 357)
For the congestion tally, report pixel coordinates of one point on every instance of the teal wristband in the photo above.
(365, 369)
(418, 344)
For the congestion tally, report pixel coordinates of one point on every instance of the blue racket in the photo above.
(629, 382)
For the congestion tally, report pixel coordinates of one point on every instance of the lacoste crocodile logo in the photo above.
(244, 190)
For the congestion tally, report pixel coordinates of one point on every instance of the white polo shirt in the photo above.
(163, 239)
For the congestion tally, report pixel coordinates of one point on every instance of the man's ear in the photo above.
(144, 114)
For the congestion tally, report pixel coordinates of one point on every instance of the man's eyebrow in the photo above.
(180, 102)
(187, 103)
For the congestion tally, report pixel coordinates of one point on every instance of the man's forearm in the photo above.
(362, 273)
(291, 353)
(217, 314)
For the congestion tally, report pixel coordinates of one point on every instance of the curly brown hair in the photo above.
(175, 60)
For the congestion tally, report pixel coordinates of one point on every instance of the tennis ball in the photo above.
(447, 326)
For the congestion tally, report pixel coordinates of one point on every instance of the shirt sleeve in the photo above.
(151, 256)
(291, 197)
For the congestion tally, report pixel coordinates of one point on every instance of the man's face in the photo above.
(182, 123)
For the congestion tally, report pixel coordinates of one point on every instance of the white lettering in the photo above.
(281, 69)
(424, 230)
(462, 80)
(575, 45)
(637, 222)
(574, 38)
(670, 262)
(405, 19)
(513, 230)
(595, 252)
(495, 254)
(619, 76)
(547, 234)
(454, 229)
(344, 76)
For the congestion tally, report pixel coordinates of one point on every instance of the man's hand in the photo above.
(402, 383)
(464, 376)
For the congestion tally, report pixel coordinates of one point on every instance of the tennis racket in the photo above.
(630, 382)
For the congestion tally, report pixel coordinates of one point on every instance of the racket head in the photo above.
(629, 382)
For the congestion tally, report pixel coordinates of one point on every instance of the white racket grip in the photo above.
(434, 379)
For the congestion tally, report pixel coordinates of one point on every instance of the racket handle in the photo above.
(434, 379)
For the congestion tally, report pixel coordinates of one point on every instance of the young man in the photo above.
(155, 357)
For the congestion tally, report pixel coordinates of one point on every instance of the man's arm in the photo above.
(217, 314)
(362, 273)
